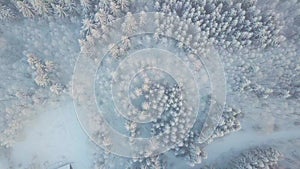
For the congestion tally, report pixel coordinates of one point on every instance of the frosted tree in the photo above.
(130, 24)
(42, 80)
(115, 8)
(57, 88)
(100, 16)
(123, 4)
(132, 128)
(86, 4)
(5, 13)
(87, 26)
(41, 7)
(60, 10)
(143, 18)
(229, 122)
(25, 8)
(234, 23)
(190, 149)
(49, 66)
(126, 42)
(45, 73)
(114, 49)
(154, 162)
(258, 157)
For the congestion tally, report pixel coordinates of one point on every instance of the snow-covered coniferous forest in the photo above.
(150, 84)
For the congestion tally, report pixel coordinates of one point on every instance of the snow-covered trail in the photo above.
(56, 135)
(242, 140)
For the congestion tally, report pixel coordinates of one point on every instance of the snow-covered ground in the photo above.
(56, 136)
